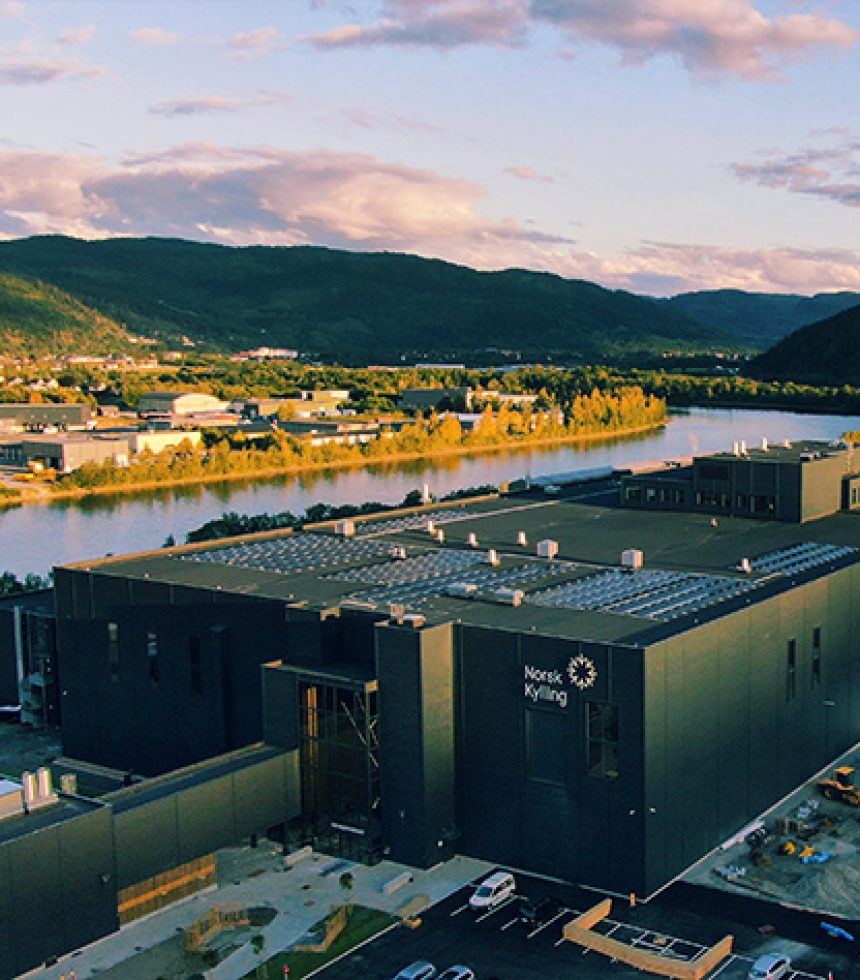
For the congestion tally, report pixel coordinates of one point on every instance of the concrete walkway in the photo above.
(254, 877)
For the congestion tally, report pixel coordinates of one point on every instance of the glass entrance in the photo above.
(339, 748)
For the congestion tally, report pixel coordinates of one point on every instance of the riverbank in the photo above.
(44, 493)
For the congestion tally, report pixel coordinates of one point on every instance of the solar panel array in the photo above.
(411, 522)
(415, 590)
(295, 553)
(660, 595)
(431, 564)
(799, 558)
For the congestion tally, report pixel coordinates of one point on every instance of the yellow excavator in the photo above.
(841, 786)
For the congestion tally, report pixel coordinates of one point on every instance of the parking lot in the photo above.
(495, 944)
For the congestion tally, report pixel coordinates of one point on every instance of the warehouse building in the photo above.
(567, 686)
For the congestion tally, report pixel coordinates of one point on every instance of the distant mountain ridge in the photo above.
(37, 318)
(347, 305)
(366, 307)
(759, 319)
(826, 352)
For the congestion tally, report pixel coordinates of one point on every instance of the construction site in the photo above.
(804, 853)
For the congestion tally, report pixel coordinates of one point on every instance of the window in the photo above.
(816, 656)
(545, 746)
(791, 671)
(650, 494)
(113, 650)
(602, 739)
(195, 664)
(152, 655)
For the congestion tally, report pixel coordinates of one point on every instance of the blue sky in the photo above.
(655, 145)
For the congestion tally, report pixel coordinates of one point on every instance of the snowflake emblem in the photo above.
(581, 671)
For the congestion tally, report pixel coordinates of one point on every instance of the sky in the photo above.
(653, 145)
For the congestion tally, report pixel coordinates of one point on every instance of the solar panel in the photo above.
(799, 558)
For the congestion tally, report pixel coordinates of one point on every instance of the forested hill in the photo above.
(826, 352)
(348, 306)
(759, 319)
(37, 319)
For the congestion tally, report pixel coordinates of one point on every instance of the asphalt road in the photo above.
(496, 945)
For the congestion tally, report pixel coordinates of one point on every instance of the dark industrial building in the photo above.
(567, 686)
(28, 657)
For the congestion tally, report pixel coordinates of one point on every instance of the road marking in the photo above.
(508, 925)
(497, 908)
(730, 960)
(546, 924)
(459, 910)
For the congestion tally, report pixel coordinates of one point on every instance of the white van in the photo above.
(493, 891)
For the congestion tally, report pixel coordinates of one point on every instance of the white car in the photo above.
(457, 973)
(419, 970)
(493, 891)
(771, 966)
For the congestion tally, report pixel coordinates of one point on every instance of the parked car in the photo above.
(771, 966)
(536, 911)
(419, 970)
(457, 973)
(493, 891)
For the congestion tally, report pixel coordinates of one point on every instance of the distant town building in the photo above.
(63, 416)
(459, 398)
(65, 453)
(156, 442)
(179, 403)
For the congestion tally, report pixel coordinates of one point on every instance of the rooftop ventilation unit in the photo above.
(472, 539)
(431, 527)
(414, 621)
(492, 557)
(346, 529)
(398, 553)
(632, 558)
(461, 590)
(396, 610)
(764, 444)
(547, 548)
(440, 536)
(522, 540)
(744, 566)
(509, 597)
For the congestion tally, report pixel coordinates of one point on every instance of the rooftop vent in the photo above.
(744, 566)
(472, 539)
(462, 590)
(431, 527)
(522, 540)
(632, 558)
(440, 536)
(396, 610)
(547, 548)
(346, 529)
(492, 557)
(414, 620)
(509, 597)
(398, 553)
(764, 444)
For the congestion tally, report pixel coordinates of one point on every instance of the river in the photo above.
(35, 537)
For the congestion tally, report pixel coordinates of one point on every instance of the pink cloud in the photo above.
(155, 36)
(827, 172)
(709, 37)
(529, 173)
(76, 36)
(43, 71)
(255, 44)
(261, 195)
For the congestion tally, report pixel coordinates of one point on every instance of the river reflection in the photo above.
(33, 537)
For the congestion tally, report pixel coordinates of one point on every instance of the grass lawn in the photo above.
(363, 924)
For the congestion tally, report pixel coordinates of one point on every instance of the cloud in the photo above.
(11, 8)
(75, 36)
(263, 195)
(246, 46)
(214, 105)
(529, 173)
(832, 173)
(41, 72)
(211, 105)
(435, 23)
(155, 36)
(710, 37)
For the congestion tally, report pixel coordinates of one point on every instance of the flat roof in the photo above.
(66, 808)
(690, 570)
